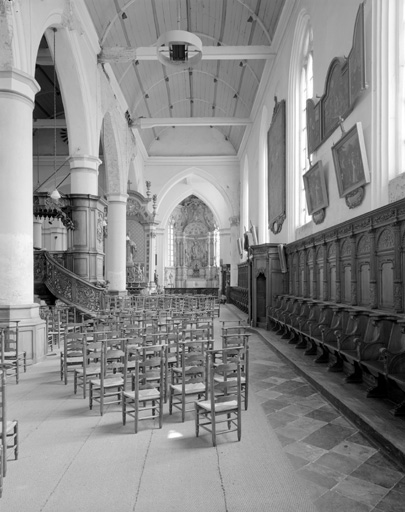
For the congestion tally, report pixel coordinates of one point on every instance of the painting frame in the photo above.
(350, 161)
(316, 192)
(277, 167)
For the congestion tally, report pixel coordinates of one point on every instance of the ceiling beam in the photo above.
(144, 123)
(118, 54)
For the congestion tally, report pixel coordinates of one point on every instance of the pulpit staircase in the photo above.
(53, 281)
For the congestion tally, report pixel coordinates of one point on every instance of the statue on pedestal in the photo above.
(131, 250)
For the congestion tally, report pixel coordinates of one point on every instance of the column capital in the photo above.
(84, 162)
(16, 82)
(117, 198)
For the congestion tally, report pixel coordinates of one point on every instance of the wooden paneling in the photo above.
(360, 262)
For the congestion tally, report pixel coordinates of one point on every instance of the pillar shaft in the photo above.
(116, 265)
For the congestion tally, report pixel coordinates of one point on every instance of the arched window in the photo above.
(305, 93)
(300, 89)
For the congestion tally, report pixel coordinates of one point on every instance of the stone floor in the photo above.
(345, 448)
(344, 469)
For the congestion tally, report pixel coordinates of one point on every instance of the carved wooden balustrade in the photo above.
(67, 286)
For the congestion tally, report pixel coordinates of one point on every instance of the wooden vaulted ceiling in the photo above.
(221, 89)
(217, 94)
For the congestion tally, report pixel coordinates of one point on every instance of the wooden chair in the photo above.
(240, 344)
(72, 356)
(11, 355)
(189, 381)
(220, 412)
(145, 400)
(8, 429)
(106, 389)
(91, 363)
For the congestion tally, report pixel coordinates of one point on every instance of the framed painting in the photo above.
(276, 147)
(315, 188)
(350, 160)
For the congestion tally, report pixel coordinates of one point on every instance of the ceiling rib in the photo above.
(196, 100)
(148, 91)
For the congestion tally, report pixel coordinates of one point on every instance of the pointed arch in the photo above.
(201, 184)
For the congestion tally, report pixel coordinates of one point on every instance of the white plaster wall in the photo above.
(332, 27)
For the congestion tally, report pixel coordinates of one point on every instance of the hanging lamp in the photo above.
(55, 193)
(179, 48)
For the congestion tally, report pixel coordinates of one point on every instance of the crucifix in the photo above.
(129, 183)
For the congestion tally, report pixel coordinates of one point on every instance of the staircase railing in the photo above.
(67, 286)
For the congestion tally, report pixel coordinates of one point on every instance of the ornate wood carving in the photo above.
(344, 83)
(66, 285)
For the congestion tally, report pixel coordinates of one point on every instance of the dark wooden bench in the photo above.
(367, 345)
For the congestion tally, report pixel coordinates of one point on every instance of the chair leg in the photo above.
(197, 421)
(124, 410)
(16, 441)
(91, 397)
(213, 430)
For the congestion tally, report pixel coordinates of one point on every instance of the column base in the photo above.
(32, 330)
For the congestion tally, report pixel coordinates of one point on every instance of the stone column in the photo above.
(17, 93)
(116, 265)
(150, 255)
(84, 174)
(38, 233)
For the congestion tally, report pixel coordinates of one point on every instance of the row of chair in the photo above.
(175, 364)
(367, 345)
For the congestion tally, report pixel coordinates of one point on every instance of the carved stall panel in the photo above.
(332, 272)
(346, 256)
(363, 252)
(385, 269)
(261, 284)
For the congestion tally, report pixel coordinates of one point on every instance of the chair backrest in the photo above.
(112, 357)
(228, 387)
(147, 369)
(11, 337)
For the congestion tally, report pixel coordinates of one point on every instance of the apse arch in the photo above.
(201, 184)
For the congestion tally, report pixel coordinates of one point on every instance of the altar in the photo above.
(195, 247)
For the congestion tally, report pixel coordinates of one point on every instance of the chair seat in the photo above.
(144, 394)
(13, 354)
(10, 427)
(89, 371)
(109, 382)
(220, 378)
(198, 387)
(220, 406)
(74, 359)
